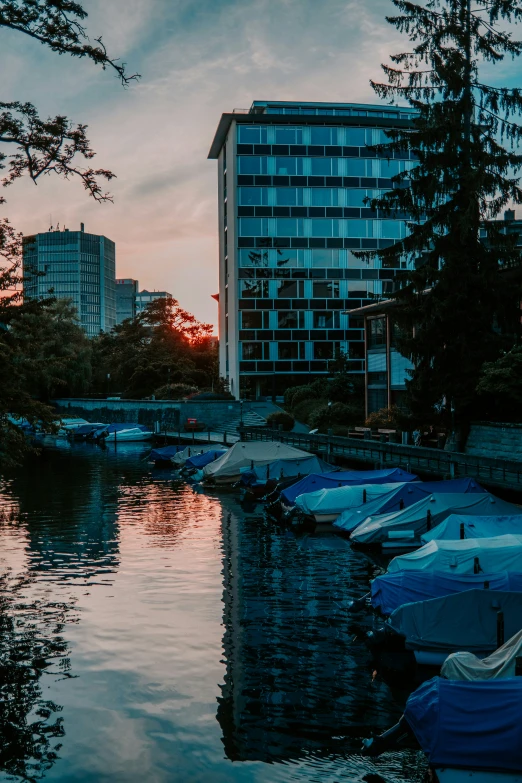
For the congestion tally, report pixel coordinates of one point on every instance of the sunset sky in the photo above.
(198, 58)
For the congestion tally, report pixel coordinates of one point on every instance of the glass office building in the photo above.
(126, 292)
(144, 298)
(77, 266)
(292, 184)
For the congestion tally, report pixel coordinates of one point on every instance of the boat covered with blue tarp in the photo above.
(403, 497)
(458, 526)
(164, 454)
(200, 460)
(390, 591)
(283, 468)
(468, 725)
(315, 482)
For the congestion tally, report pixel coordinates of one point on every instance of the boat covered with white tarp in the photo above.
(389, 591)
(463, 621)
(408, 525)
(500, 664)
(227, 469)
(403, 497)
(459, 526)
(325, 505)
(344, 478)
(488, 555)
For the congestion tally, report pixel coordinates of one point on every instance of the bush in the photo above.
(305, 409)
(338, 413)
(209, 395)
(393, 418)
(279, 418)
(174, 391)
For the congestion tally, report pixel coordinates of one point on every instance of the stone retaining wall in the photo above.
(497, 440)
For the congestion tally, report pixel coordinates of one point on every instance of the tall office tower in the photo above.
(144, 298)
(77, 266)
(293, 179)
(126, 292)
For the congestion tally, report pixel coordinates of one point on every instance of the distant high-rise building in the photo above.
(143, 298)
(126, 293)
(295, 181)
(77, 266)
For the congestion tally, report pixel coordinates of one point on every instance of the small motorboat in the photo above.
(389, 591)
(187, 452)
(471, 732)
(85, 430)
(262, 480)
(403, 529)
(132, 435)
(469, 556)
(457, 527)
(227, 469)
(475, 621)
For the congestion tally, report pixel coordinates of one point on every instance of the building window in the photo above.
(254, 289)
(376, 332)
(323, 257)
(253, 227)
(252, 165)
(255, 351)
(325, 197)
(289, 257)
(325, 228)
(288, 135)
(253, 257)
(323, 136)
(357, 289)
(252, 134)
(252, 320)
(293, 350)
(292, 319)
(290, 227)
(324, 167)
(288, 197)
(288, 166)
(377, 399)
(326, 289)
(325, 350)
(356, 350)
(326, 320)
(290, 289)
(253, 196)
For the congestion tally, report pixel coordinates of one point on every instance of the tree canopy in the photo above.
(457, 310)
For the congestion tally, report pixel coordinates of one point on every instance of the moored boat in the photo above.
(227, 469)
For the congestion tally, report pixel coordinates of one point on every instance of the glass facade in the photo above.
(298, 193)
(77, 266)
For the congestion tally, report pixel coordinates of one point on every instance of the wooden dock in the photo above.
(491, 472)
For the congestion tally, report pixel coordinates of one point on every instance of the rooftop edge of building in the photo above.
(320, 113)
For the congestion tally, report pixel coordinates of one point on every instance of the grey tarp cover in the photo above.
(325, 502)
(501, 553)
(462, 621)
(500, 664)
(475, 527)
(241, 455)
(376, 530)
(181, 457)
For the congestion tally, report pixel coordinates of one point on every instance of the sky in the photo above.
(197, 59)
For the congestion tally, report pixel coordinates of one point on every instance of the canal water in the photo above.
(153, 632)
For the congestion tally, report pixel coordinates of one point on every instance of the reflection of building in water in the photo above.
(296, 681)
(69, 509)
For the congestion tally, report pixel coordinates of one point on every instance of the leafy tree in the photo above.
(500, 386)
(30, 145)
(164, 345)
(464, 141)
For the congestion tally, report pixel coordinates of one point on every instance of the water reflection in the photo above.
(297, 674)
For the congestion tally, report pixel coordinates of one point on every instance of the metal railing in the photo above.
(437, 462)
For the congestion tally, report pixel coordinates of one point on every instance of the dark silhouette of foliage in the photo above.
(454, 301)
(500, 387)
(164, 346)
(281, 419)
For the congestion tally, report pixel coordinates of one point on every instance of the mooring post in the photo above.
(500, 628)
(364, 496)
(462, 534)
(428, 519)
(476, 565)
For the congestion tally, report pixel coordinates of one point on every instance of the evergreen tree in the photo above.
(464, 140)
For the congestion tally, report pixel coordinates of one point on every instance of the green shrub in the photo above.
(174, 391)
(305, 409)
(393, 418)
(279, 418)
(338, 413)
(210, 395)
